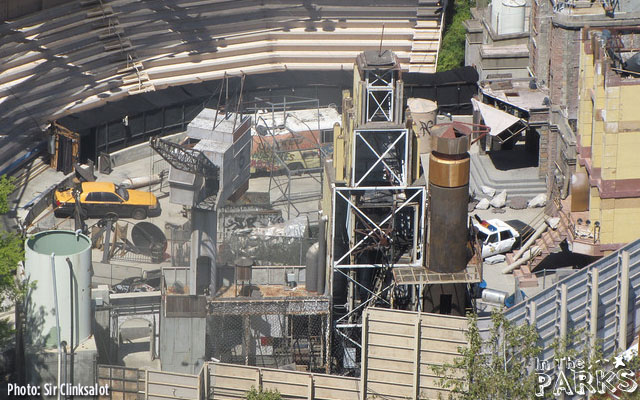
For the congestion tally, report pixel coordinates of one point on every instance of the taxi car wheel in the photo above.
(139, 213)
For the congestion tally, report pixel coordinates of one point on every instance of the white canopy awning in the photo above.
(497, 120)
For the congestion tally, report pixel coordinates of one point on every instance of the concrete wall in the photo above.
(182, 344)
(42, 366)
(139, 151)
(491, 53)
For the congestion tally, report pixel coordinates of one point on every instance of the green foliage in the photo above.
(496, 367)
(451, 53)
(11, 253)
(254, 394)
(6, 188)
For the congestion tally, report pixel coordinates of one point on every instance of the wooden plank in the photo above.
(391, 364)
(395, 354)
(450, 321)
(365, 355)
(386, 391)
(377, 339)
(416, 360)
(337, 382)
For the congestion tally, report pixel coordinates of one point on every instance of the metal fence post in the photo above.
(593, 323)
(563, 315)
(146, 383)
(416, 359)
(624, 301)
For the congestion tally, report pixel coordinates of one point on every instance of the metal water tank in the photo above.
(423, 111)
(496, 8)
(311, 272)
(72, 260)
(494, 296)
(243, 268)
(511, 18)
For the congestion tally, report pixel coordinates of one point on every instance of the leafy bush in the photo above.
(260, 394)
(493, 367)
(11, 252)
(451, 53)
(6, 187)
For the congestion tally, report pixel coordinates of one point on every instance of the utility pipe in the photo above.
(55, 301)
(535, 250)
(71, 346)
(66, 380)
(142, 181)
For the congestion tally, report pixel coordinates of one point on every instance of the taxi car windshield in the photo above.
(122, 192)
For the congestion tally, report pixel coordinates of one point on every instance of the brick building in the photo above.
(588, 144)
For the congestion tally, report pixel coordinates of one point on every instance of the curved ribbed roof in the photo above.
(80, 55)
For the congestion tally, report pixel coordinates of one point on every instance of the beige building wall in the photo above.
(609, 139)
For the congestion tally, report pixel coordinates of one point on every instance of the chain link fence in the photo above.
(285, 341)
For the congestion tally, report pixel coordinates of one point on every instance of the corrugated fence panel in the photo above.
(609, 286)
(401, 349)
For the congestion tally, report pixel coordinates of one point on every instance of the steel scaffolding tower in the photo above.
(377, 217)
(379, 208)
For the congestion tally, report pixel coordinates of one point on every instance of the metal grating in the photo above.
(421, 275)
(283, 305)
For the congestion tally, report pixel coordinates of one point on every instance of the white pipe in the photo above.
(141, 181)
(533, 238)
(55, 300)
(532, 253)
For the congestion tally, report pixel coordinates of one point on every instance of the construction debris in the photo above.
(489, 191)
(500, 200)
(483, 204)
(538, 201)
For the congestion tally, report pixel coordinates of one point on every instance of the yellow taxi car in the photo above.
(103, 199)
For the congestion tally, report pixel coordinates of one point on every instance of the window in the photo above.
(326, 136)
(122, 192)
(103, 197)
(93, 196)
(482, 236)
(493, 238)
(504, 235)
(110, 197)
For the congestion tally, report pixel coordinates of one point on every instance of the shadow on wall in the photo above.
(32, 341)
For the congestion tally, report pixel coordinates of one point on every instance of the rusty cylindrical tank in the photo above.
(448, 199)
(243, 268)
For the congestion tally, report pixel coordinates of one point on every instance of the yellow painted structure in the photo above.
(609, 141)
